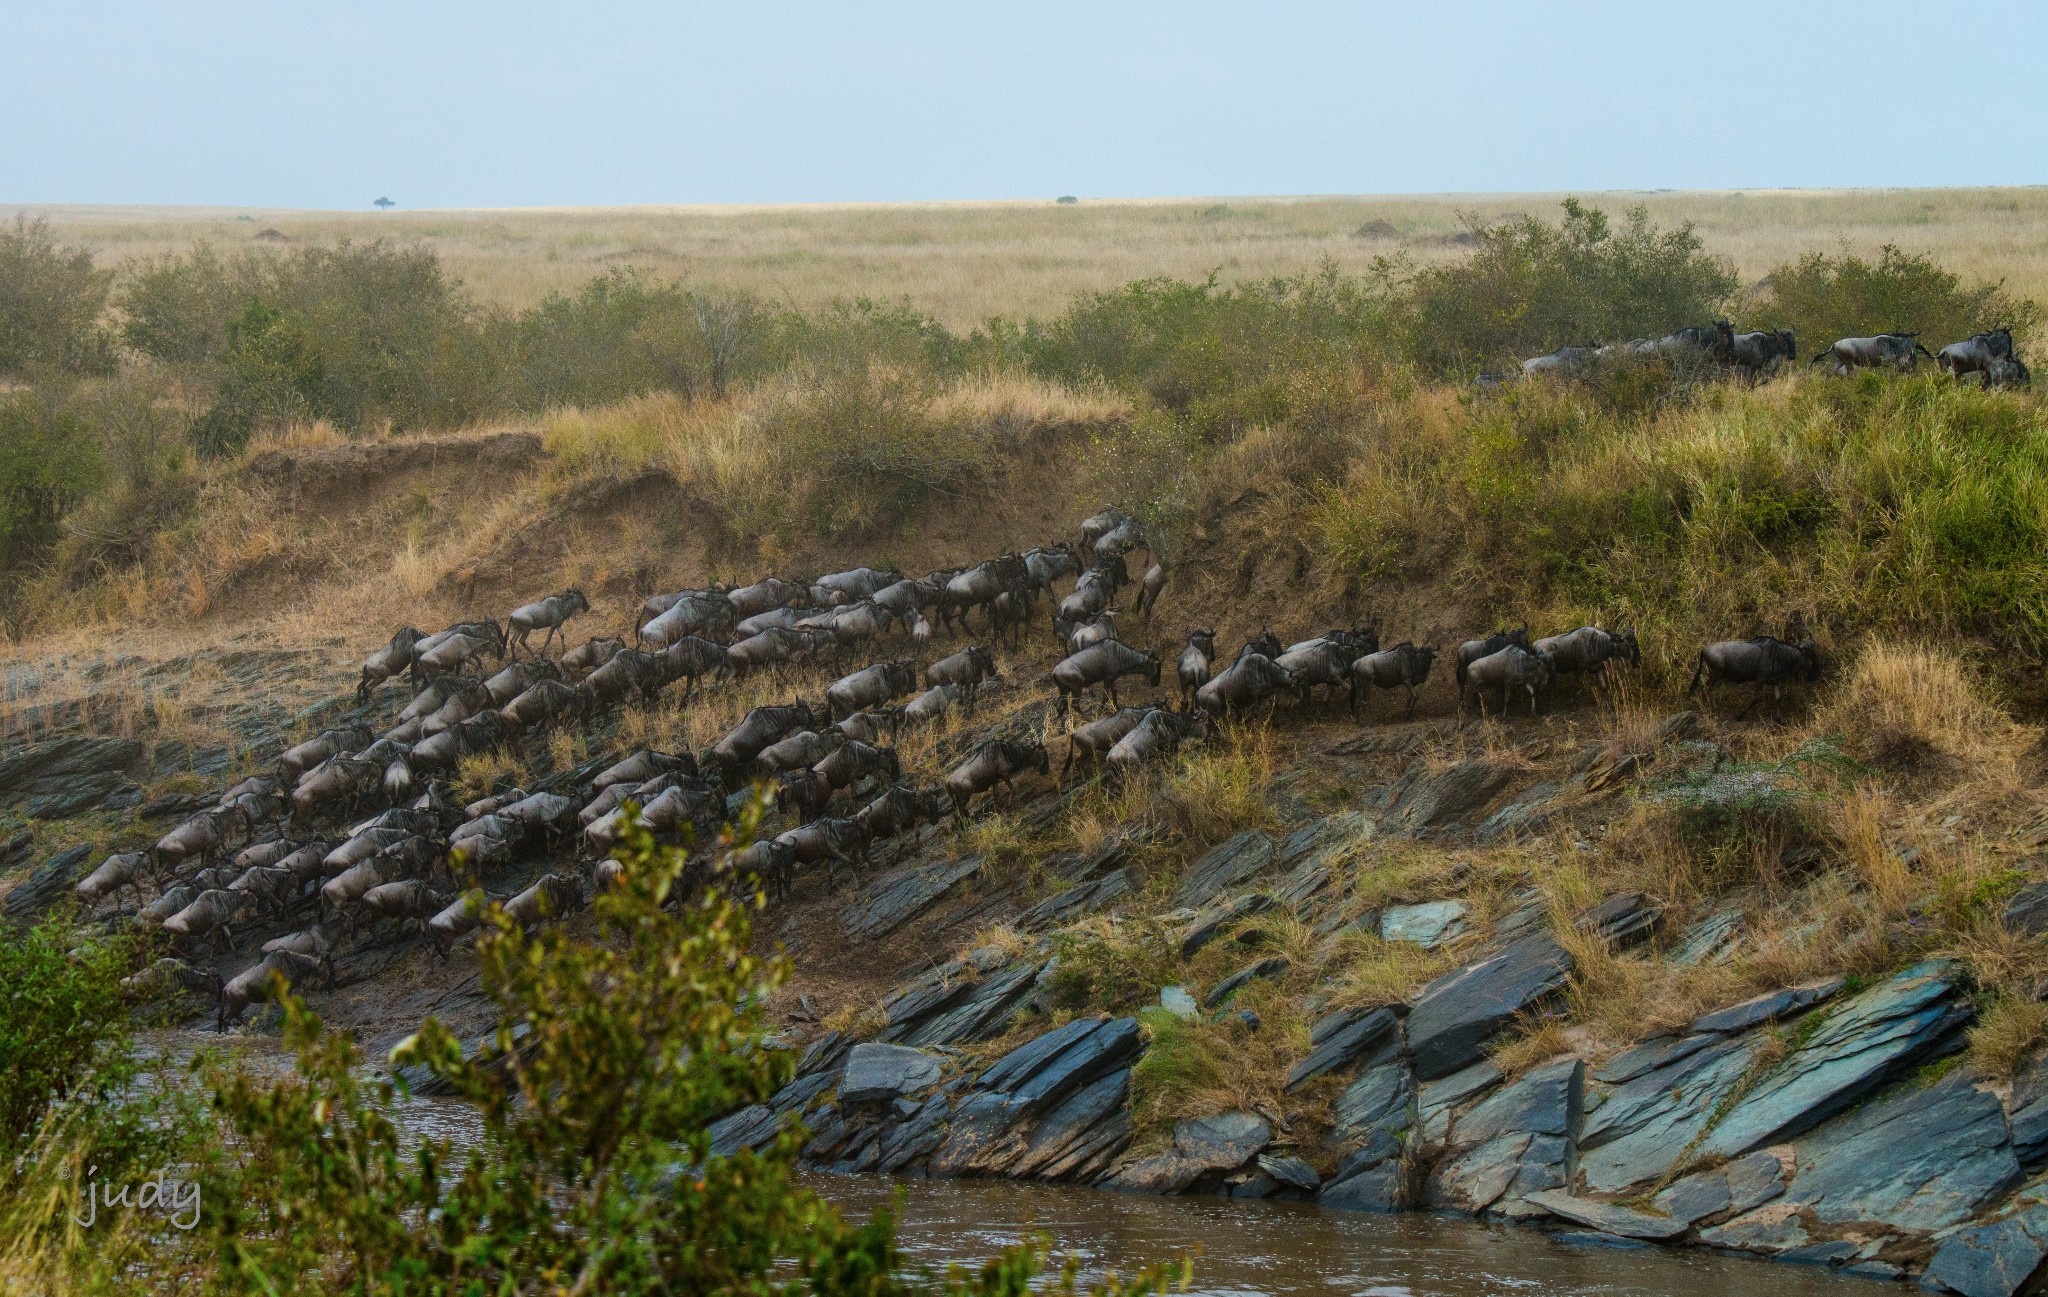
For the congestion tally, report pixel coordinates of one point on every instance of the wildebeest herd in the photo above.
(357, 836)
(1987, 355)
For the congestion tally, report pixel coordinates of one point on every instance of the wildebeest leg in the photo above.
(1110, 685)
(1411, 701)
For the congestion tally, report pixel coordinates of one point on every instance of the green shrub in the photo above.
(48, 463)
(1530, 287)
(178, 308)
(63, 1027)
(51, 301)
(1822, 298)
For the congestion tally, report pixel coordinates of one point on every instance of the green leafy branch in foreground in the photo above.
(594, 1172)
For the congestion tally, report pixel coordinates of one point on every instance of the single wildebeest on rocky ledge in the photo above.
(871, 687)
(965, 670)
(547, 614)
(994, 766)
(387, 662)
(1589, 649)
(1765, 661)
(1512, 668)
(1404, 666)
(1103, 664)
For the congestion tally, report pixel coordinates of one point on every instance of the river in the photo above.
(1243, 1248)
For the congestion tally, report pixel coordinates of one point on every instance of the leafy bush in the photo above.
(48, 463)
(51, 301)
(63, 1027)
(178, 309)
(1530, 287)
(1822, 298)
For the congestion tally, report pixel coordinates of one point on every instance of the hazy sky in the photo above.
(441, 104)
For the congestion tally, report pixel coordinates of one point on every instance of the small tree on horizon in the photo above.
(384, 204)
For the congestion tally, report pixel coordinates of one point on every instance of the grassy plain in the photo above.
(964, 262)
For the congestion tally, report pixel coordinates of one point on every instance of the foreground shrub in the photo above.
(51, 301)
(1822, 298)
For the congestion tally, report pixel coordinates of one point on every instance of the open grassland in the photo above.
(964, 262)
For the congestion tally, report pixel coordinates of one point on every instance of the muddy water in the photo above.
(1246, 1248)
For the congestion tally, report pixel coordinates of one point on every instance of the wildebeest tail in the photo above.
(1699, 671)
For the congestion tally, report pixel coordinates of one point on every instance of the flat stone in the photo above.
(981, 1013)
(901, 895)
(2029, 1113)
(1904, 1021)
(1229, 986)
(1596, 1238)
(1069, 1127)
(877, 1073)
(1335, 1046)
(1546, 1101)
(1644, 1126)
(1211, 922)
(1528, 813)
(1089, 897)
(1625, 920)
(1995, 1259)
(1421, 799)
(1459, 1014)
(1919, 1158)
(51, 882)
(1381, 1188)
(1291, 1171)
(1607, 1217)
(1648, 1056)
(1726, 1190)
(1200, 1147)
(1379, 1107)
(1435, 1099)
(1429, 925)
(1764, 1008)
(1114, 1044)
(1830, 1253)
(1225, 866)
(60, 778)
(1711, 940)
(1511, 1166)
(2027, 912)
(1176, 1001)
(1029, 1058)
(1770, 1230)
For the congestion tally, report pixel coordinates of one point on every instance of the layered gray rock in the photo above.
(1920, 1158)
(1768, 1007)
(1096, 894)
(1996, 1259)
(1428, 925)
(1339, 1038)
(51, 882)
(1213, 919)
(1517, 1141)
(62, 777)
(1607, 1217)
(1230, 864)
(901, 895)
(1422, 800)
(878, 1073)
(1708, 941)
(1456, 1016)
(1901, 1023)
(2029, 1113)
(1714, 1195)
(1202, 1148)
(1644, 1126)
(1270, 967)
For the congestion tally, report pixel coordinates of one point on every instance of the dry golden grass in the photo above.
(967, 261)
(1900, 702)
(2008, 1030)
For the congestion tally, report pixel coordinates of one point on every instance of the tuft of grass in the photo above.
(1900, 702)
(2009, 1029)
(1221, 788)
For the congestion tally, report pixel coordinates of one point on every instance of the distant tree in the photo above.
(1066, 198)
(385, 203)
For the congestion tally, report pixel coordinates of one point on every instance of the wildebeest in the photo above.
(993, 766)
(175, 898)
(852, 585)
(1160, 734)
(1048, 563)
(853, 761)
(361, 846)
(897, 812)
(516, 679)
(1974, 354)
(1763, 661)
(212, 914)
(1149, 588)
(455, 653)
(932, 705)
(1098, 736)
(1244, 684)
(797, 751)
(550, 897)
(1326, 661)
(545, 702)
(406, 900)
(203, 837)
(1763, 349)
(301, 757)
(691, 658)
(2007, 371)
(465, 702)
(771, 861)
(548, 614)
(966, 669)
(1103, 664)
(1404, 666)
(168, 977)
(1474, 649)
(480, 733)
(884, 682)
(1193, 667)
(756, 730)
(1901, 351)
(690, 615)
(1265, 644)
(981, 585)
(386, 662)
(1512, 667)
(127, 869)
(869, 726)
(1096, 526)
(588, 656)
(487, 631)
(843, 842)
(1077, 638)
(643, 765)
(1589, 649)
(1564, 360)
(767, 593)
(1094, 591)
(773, 619)
(1120, 539)
(256, 981)
(461, 915)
